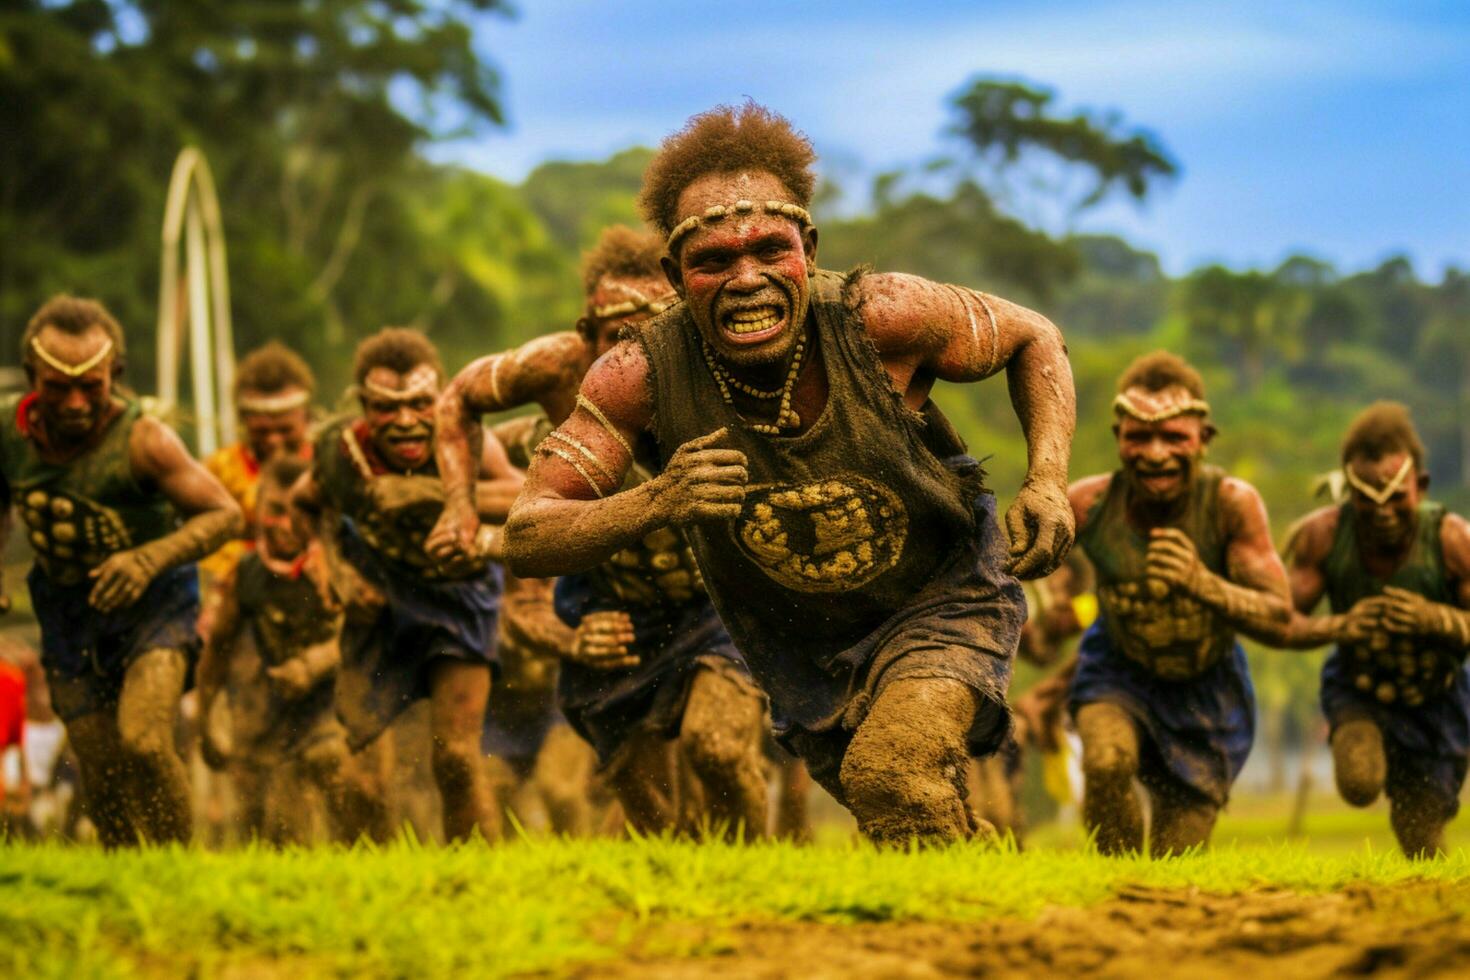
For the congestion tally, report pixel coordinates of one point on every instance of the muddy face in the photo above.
(272, 507)
(71, 408)
(1387, 526)
(399, 410)
(601, 333)
(1161, 459)
(269, 433)
(746, 277)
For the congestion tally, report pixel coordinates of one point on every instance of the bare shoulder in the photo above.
(155, 447)
(619, 384)
(902, 313)
(1310, 541)
(1086, 492)
(1454, 541)
(1241, 500)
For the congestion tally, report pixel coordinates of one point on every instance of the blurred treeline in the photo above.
(316, 116)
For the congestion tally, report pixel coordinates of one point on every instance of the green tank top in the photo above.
(1393, 667)
(286, 615)
(1172, 635)
(344, 473)
(78, 513)
(844, 523)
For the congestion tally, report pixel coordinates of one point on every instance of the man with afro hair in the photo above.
(650, 664)
(1395, 568)
(415, 626)
(844, 537)
(1183, 559)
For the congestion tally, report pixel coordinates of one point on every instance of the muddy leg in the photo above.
(642, 775)
(104, 772)
(1182, 819)
(363, 810)
(1110, 808)
(458, 693)
(1418, 816)
(563, 775)
(904, 772)
(720, 737)
(159, 787)
(793, 816)
(1358, 761)
(248, 781)
(325, 766)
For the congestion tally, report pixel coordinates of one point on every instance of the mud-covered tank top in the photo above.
(79, 512)
(1172, 635)
(285, 613)
(1391, 667)
(843, 524)
(345, 466)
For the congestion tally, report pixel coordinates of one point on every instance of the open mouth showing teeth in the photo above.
(743, 323)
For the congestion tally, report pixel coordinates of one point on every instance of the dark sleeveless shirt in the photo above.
(843, 524)
(1173, 635)
(80, 512)
(1388, 666)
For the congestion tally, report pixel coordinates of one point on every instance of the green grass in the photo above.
(537, 905)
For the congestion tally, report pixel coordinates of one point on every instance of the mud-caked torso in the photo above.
(1172, 635)
(843, 523)
(79, 512)
(286, 612)
(1391, 667)
(345, 470)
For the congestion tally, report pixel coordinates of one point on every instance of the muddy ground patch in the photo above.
(1417, 930)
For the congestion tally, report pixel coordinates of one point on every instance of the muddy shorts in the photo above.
(386, 662)
(1195, 733)
(86, 653)
(673, 643)
(1427, 746)
(516, 725)
(964, 626)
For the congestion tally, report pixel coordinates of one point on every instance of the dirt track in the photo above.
(1398, 932)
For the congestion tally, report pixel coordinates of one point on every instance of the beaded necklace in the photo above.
(786, 416)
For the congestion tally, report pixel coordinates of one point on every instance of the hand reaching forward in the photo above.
(1041, 526)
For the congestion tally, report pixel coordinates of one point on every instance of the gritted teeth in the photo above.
(753, 320)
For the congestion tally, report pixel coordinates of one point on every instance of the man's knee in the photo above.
(1358, 761)
(1109, 744)
(325, 760)
(720, 730)
(456, 764)
(910, 752)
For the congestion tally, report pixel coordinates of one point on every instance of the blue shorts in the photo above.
(1197, 732)
(1427, 746)
(385, 663)
(673, 643)
(86, 653)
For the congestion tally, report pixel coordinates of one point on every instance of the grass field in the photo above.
(555, 906)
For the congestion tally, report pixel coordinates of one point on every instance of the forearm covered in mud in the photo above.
(456, 430)
(548, 535)
(1256, 612)
(1039, 378)
(200, 535)
(321, 660)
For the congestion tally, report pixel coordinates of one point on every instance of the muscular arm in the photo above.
(546, 371)
(499, 484)
(1252, 595)
(926, 331)
(211, 516)
(570, 516)
(1307, 552)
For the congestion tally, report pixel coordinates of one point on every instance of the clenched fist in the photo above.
(702, 484)
(1040, 525)
(455, 532)
(602, 641)
(1174, 560)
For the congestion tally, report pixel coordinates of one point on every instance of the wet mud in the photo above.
(1405, 931)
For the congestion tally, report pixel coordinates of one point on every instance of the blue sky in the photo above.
(1339, 128)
